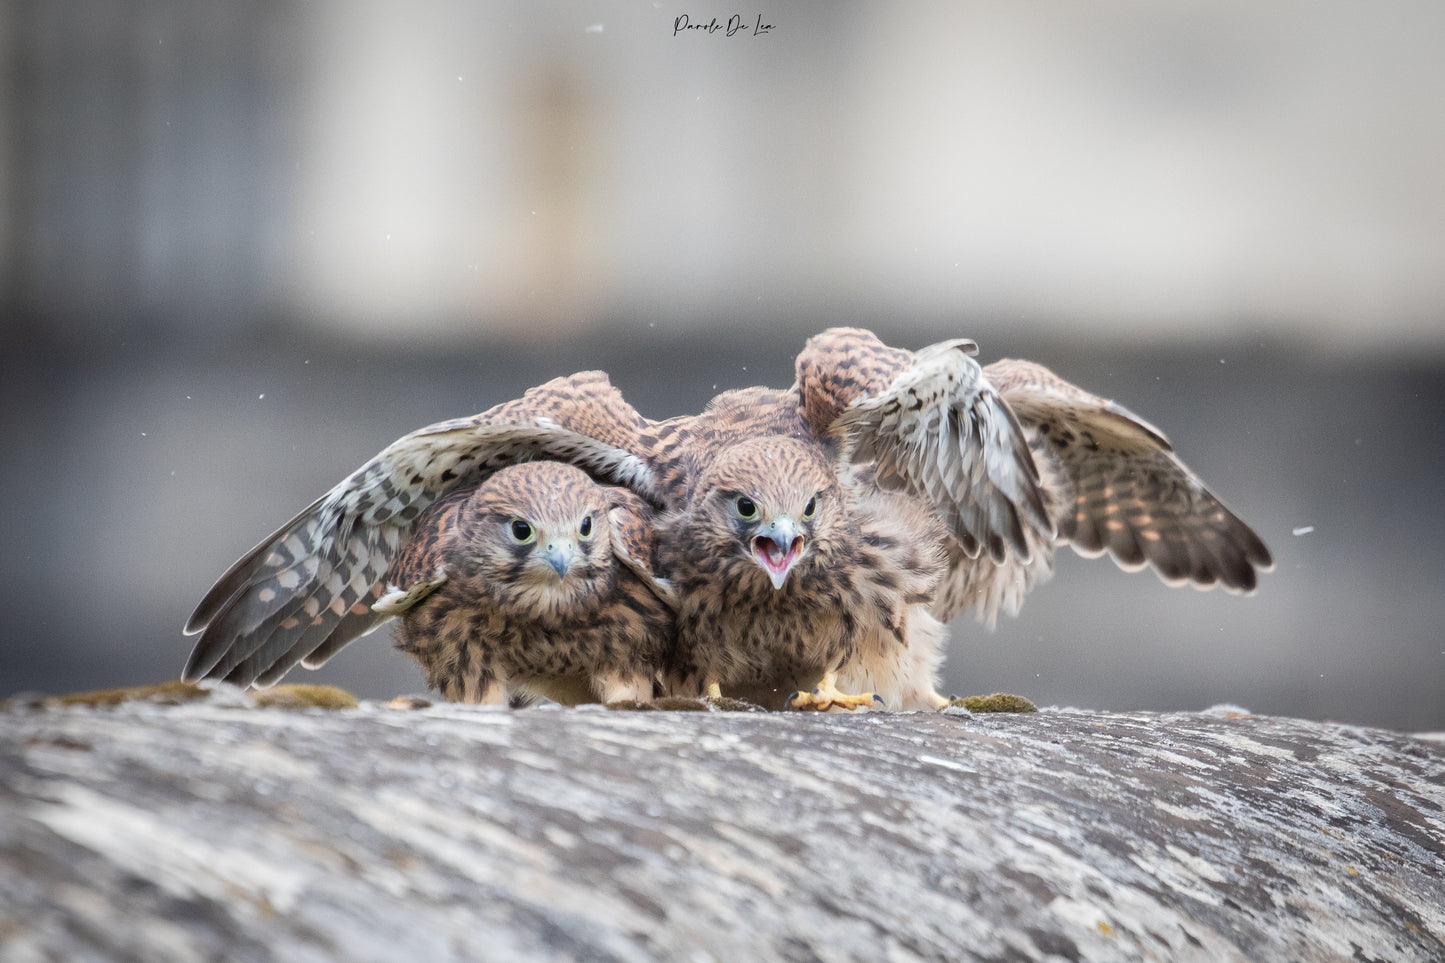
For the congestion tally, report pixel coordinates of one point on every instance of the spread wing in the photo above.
(308, 589)
(1116, 486)
(933, 425)
(416, 570)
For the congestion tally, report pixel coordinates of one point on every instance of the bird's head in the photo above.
(771, 501)
(540, 540)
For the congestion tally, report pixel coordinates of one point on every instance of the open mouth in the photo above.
(777, 559)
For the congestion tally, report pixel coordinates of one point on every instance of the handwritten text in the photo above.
(730, 27)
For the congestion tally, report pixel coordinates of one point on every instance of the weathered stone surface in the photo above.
(218, 830)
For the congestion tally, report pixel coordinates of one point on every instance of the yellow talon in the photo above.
(826, 695)
(714, 690)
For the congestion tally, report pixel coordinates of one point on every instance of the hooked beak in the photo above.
(559, 555)
(777, 548)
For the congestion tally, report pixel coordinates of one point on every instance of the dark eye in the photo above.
(585, 529)
(810, 509)
(746, 508)
(521, 530)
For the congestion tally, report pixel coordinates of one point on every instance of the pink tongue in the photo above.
(774, 556)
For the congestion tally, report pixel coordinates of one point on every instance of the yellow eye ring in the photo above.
(747, 509)
(521, 531)
(811, 509)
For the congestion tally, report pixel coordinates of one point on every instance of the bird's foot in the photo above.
(826, 696)
(998, 702)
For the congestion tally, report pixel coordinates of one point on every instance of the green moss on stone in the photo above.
(172, 693)
(304, 697)
(997, 702)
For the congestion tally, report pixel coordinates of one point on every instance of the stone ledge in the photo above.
(215, 829)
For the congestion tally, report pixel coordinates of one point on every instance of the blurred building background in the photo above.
(242, 247)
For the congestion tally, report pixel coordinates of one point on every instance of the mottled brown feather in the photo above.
(1097, 477)
(301, 594)
(931, 424)
(858, 577)
(1121, 489)
(941, 486)
(1102, 479)
(502, 620)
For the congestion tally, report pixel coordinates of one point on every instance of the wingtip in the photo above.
(1261, 556)
(215, 599)
(196, 668)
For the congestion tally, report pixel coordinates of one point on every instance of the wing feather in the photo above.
(1122, 489)
(279, 653)
(941, 430)
(331, 553)
(356, 622)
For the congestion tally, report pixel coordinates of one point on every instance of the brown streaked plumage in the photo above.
(530, 583)
(927, 461)
(783, 568)
(1105, 480)
(773, 599)
(785, 564)
(931, 424)
(996, 466)
(307, 590)
(1113, 484)
(851, 577)
(886, 490)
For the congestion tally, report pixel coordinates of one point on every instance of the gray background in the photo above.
(242, 247)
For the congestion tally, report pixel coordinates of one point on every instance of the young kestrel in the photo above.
(411, 533)
(535, 582)
(1109, 481)
(785, 566)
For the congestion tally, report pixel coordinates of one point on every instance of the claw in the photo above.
(826, 695)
